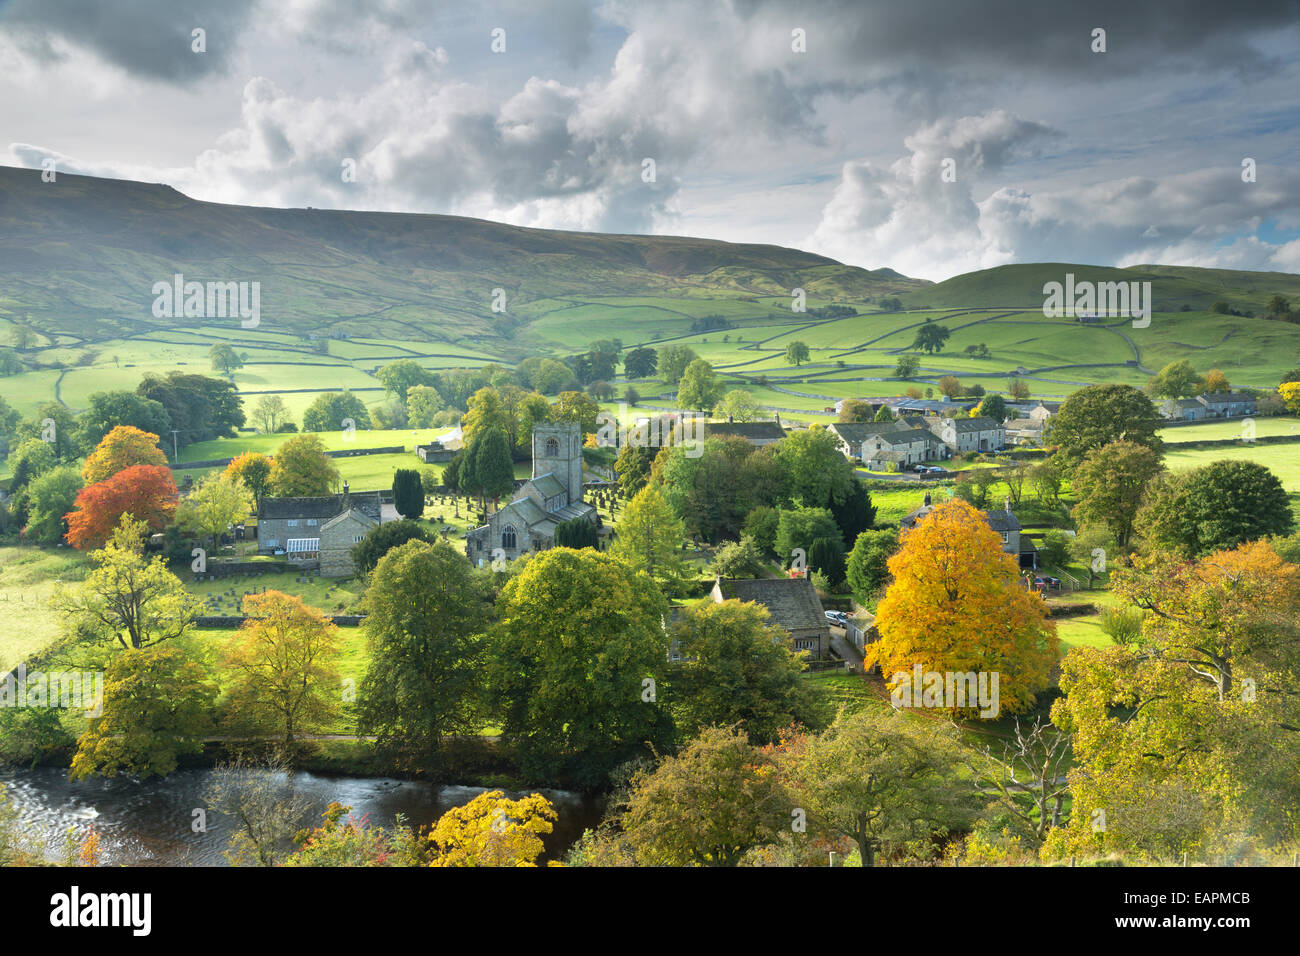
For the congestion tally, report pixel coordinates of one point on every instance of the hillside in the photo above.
(79, 257)
(1172, 287)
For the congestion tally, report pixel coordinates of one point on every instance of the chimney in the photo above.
(778, 418)
(1006, 505)
(345, 496)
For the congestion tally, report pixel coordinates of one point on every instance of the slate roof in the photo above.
(325, 506)
(855, 433)
(548, 485)
(750, 431)
(1225, 398)
(353, 512)
(981, 424)
(792, 602)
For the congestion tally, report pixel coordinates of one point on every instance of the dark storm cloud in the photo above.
(149, 38)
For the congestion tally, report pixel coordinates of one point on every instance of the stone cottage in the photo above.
(792, 604)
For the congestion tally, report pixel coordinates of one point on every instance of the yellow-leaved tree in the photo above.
(492, 831)
(957, 605)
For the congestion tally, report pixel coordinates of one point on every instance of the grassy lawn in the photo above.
(1265, 427)
(27, 580)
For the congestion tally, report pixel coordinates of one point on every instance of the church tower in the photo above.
(557, 450)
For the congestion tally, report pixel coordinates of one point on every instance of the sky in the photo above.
(934, 137)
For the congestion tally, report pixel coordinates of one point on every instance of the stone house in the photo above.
(1184, 409)
(1003, 521)
(756, 433)
(1227, 404)
(293, 526)
(887, 446)
(337, 537)
(961, 435)
(552, 496)
(792, 604)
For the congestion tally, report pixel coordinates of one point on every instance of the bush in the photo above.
(1122, 625)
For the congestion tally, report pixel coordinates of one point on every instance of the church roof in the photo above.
(548, 485)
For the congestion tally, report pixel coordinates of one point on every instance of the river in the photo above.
(149, 823)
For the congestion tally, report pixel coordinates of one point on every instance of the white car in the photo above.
(838, 618)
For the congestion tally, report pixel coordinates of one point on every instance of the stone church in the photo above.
(553, 495)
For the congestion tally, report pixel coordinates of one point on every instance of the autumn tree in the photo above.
(285, 666)
(1176, 380)
(1216, 381)
(126, 597)
(253, 471)
(1018, 389)
(157, 708)
(650, 537)
(301, 469)
(1110, 483)
(881, 778)
(957, 605)
(707, 806)
(575, 661)
(121, 448)
(146, 492)
(492, 830)
(736, 669)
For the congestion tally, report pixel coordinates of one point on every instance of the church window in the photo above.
(508, 538)
(552, 448)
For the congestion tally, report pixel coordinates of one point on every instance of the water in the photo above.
(149, 823)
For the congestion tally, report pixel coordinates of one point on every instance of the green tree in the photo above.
(907, 367)
(576, 407)
(1100, 414)
(47, 500)
(700, 387)
(31, 459)
(224, 359)
(855, 513)
(884, 416)
(109, 410)
(800, 527)
(426, 612)
(740, 559)
(930, 337)
(399, 377)
(579, 636)
(761, 524)
(381, 539)
(826, 555)
(817, 473)
(575, 533)
(217, 502)
(1110, 483)
(333, 411)
(487, 468)
(422, 403)
(633, 467)
(868, 564)
(796, 353)
(1215, 507)
(640, 363)
(270, 412)
(994, 407)
(650, 537)
(1176, 380)
(737, 405)
(301, 468)
(408, 493)
(673, 361)
(882, 780)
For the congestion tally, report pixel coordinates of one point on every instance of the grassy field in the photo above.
(1265, 427)
(28, 577)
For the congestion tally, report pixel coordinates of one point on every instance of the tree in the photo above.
(798, 528)
(408, 493)
(817, 473)
(399, 377)
(266, 814)
(422, 403)
(31, 459)
(796, 353)
(640, 363)
(673, 361)
(631, 396)
(880, 779)
(576, 407)
(224, 359)
(907, 367)
(761, 524)
(426, 610)
(700, 388)
(884, 416)
(707, 806)
(1290, 392)
(285, 665)
(633, 467)
(650, 537)
(269, 413)
(10, 363)
(1029, 777)
(1215, 381)
(855, 410)
(579, 636)
(121, 448)
(957, 605)
(1110, 484)
(253, 471)
(335, 411)
(126, 597)
(740, 559)
(713, 490)
(491, 830)
(826, 555)
(146, 492)
(1100, 414)
(1018, 389)
(381, 539)
(486, 410)
(1084, 548)
(930, 337)
(855, 513)
(994, 407)
(1187, 737)
(157, 707)
(199, 407)
(354, 842)
(108, 410)
(1175, 380)
(868, 564)
(217, 502)
(301, 469)
(1047, 480)
(48, 499)
(1215, 507)
(487, 468)
(737, 405)
(950, 385)
(576, 533)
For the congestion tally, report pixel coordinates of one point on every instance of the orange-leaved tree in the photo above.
(254, 470)
(121, 448)
(145, 491)
(957, 606)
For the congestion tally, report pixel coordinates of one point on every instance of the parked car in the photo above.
(838, 618)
